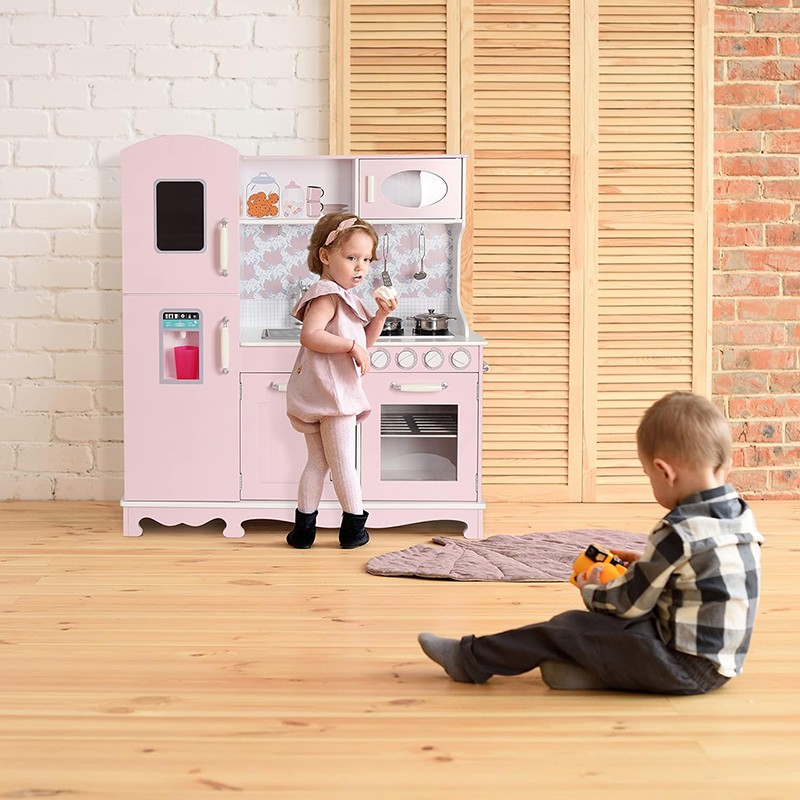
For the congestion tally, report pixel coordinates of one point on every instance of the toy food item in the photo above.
(386, 292)
(594, 555)
(263, 196)
(293, 198)
(262, 205)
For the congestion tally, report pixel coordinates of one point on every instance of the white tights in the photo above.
(334, 448)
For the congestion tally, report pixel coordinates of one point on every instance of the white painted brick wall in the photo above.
(80, 80)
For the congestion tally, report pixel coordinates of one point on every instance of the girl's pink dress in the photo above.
(328, 384)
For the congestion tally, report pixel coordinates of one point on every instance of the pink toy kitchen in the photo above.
(214, 255)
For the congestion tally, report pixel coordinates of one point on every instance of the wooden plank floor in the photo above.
(182, 664)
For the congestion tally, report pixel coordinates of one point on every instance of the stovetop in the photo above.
(415, 335)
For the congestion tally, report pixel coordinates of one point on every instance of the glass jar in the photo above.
(292, 200)
(263, 196)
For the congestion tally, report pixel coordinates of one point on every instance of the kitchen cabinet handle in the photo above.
(223, 248)
(370, 188)
(418, 387)
(278, 387)
(225, 346)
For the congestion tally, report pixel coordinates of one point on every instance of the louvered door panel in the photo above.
(646, 277)
(389, 88)
(519, 112)
(587, 250)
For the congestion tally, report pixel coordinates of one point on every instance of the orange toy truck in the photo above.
(594, 555)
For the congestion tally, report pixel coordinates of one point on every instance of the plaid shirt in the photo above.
(700, 574)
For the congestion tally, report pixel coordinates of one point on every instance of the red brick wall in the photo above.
(756, 359)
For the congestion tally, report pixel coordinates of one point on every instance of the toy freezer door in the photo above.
(273, 452)
(420, 443)
(180, 210)
(181, 417)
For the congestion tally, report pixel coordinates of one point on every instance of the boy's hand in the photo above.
(628, 556)
(589, 576)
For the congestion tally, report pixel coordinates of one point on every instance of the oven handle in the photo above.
(418, 387)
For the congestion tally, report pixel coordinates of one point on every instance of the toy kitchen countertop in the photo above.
(290, 337)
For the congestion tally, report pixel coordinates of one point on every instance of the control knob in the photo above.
(379, 358)
(406, 359)
(433, 359)
(460, 359)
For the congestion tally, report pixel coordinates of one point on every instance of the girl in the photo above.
(324, 397)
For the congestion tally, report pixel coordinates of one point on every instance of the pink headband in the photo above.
(343, 226)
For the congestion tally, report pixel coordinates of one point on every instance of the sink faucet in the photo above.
(302, 287)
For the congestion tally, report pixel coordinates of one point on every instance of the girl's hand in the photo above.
(385, 307)
(361, 357)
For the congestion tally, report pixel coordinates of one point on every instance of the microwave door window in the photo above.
(180, 216)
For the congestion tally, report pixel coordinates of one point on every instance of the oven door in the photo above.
(421, 441)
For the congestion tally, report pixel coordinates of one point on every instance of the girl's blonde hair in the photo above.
(686, 428)
(325, 227)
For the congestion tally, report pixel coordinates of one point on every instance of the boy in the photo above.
(679, 620)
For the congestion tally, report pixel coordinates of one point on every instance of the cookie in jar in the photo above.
(263, 196)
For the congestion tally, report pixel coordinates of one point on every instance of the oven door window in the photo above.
(180, 216)
(419, 442)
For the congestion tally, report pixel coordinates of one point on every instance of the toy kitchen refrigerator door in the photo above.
(181, 396)
(180, 210)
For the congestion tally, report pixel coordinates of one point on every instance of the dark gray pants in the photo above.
(625, 654)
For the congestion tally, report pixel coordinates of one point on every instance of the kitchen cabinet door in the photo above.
(397, 188)
(181, 435)
(273, 452)
(421, 440)
(180, 211)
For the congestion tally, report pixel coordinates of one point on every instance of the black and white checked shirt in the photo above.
(700, 575)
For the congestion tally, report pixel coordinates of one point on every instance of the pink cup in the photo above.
(314, 209)
(314, 193)
(187, 362)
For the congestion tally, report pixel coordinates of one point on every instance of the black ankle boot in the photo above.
(353, 533)
(305, 530)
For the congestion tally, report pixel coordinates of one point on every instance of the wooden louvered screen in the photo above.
(394, 76)
(517, 132)
(652, 265)
(588, 126)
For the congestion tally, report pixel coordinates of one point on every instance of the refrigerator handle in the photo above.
(225, 346)
(223, 248)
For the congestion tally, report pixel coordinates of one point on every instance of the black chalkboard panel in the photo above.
(180, 216)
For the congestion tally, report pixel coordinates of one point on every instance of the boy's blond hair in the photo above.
(686, 428)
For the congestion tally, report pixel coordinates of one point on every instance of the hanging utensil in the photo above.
(420, 274)
(387, 280)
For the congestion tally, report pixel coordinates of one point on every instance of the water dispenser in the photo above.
(181, 344)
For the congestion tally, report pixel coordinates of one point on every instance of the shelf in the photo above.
(417, 424)
(314, 220)
(278, 221)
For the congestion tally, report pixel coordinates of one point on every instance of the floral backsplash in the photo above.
(274, 262)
